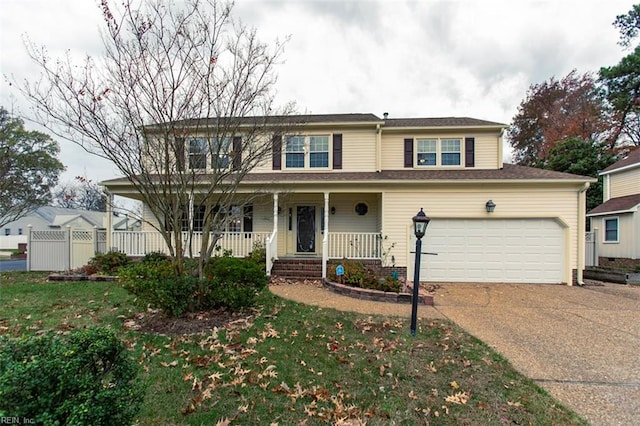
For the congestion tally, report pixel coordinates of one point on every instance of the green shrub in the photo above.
(109, 262)
(85, 378)
(155, 283)
(154, 257)
(258, 254)
(232, 282)
(356, 274)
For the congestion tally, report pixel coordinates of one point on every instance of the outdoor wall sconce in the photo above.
(333, 210)
(491, 206)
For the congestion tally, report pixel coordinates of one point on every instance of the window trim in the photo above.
(604, 225)
(439, 152)
(306, 151)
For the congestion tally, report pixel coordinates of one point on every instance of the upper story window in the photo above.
(220, 148)
(295, 152)
(307, 152)
(213, 153)
(611, 230)
(7, 231)
(197, 154)
(439, 152)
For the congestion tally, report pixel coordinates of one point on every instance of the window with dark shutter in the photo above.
(408, 152)
(469, 152)
(276, 159)
(237, 152)
(337, 151)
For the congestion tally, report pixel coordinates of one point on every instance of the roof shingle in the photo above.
(632, 158)
(617, 204)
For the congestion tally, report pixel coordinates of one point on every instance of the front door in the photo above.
(306, 229)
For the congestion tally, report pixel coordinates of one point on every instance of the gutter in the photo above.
(582, 222)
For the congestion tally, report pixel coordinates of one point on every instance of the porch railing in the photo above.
(271, 249)
(139, 243)
(355, 245)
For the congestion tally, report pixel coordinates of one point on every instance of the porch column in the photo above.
(275, 213)
(325, 239)
(271, 244)
(109, 223)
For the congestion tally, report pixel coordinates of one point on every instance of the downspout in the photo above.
(378, 148)
(582, 222)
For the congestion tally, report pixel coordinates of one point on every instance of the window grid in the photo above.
(318, 151)
(450, 152)
(295, 152)
(427, 152)
(219, 148)
(197, 154)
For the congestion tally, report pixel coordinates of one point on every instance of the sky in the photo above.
(420, 58)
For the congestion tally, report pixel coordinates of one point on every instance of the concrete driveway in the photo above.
(581, 344)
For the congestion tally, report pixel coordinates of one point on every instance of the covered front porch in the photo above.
(320, 225)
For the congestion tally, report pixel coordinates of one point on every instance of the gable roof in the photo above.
(59, 216)
(618, 204)
(632, 159)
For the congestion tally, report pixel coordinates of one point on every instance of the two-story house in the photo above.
(348, 185)
(617, 219)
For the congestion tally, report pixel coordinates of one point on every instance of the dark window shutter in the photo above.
(237, 152)
(337, 151)
(408, 152)
(248, 219)
(179, 151)
(469, 152)
(276, 159)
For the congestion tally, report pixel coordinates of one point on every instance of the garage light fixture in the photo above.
(491, 206)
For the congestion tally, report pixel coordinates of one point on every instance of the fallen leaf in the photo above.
(454, 385)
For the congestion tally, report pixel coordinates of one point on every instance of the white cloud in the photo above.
(416, 58)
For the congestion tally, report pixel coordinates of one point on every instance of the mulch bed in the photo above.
(155, 322)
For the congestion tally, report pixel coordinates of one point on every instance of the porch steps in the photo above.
(297, 268)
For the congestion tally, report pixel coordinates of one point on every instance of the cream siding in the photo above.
(148, 219)
(628, 245)
(559, 204)
(487, 152)
(624, 183)
(359, 151)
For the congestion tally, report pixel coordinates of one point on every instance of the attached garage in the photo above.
(492, 251)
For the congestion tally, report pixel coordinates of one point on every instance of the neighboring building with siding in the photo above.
(617, 219)
(348, 185)
(49, 218)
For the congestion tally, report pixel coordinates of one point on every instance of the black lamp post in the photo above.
(420, 223)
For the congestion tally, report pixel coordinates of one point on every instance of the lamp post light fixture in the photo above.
(420, 223)
(490, 206)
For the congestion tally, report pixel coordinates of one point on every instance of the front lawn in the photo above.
(287, 363)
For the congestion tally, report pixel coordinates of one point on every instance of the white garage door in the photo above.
(478, 250)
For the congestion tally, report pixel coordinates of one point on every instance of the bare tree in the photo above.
(182, 103)
(82, 193)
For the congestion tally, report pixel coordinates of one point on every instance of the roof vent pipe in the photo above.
(386, 114)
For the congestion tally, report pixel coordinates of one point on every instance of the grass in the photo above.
(288, 363)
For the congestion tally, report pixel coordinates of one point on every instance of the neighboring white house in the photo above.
(617, 219)
(48, 218)
(348, 185)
